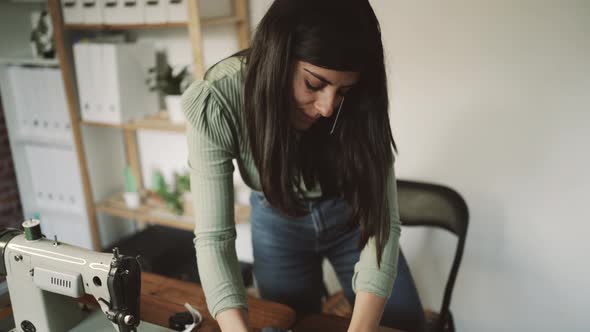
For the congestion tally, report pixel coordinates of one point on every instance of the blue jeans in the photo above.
(288, 255)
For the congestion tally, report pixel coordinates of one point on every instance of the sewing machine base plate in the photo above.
(97, 322)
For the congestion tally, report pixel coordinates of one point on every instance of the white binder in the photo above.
(52, 125)
(83, 78)
(55, 178)
(95, 83)
(123, 11)
(62, 116)
(30, 83)
(133, 11)
(34, 157)
(52, 179)
(68, 189)
(110, 11)
(111, 81)
(61, 105)
(177, 11)
(124, 68)
(44, 109)
(111, 84)
(15, 79)
(54, 105)
(154, 11)
(92, 11)
(90, 84)
(72, 11)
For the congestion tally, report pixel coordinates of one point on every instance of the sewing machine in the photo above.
(46, 277)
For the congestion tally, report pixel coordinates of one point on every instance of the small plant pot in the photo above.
(174, 108)
(132, 199)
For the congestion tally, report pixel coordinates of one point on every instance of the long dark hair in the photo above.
(355, 162)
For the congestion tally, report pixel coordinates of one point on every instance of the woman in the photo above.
(304, 113)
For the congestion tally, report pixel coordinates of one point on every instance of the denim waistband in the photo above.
(305, 199)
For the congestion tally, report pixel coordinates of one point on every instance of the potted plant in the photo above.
(183, 186)
(174, 198)
(171, 82)
(41, 39)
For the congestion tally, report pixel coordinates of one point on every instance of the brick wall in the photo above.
(11, 214)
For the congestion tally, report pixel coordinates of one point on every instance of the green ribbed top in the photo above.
(214, 111)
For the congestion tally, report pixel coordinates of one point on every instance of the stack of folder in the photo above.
(55, 178)
(124, 11)
(46, 163)
(40, 103)
(111, 80)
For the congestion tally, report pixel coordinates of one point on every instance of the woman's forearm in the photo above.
(233, 320)
(368, 309)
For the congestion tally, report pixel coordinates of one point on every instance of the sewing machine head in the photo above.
(45, 278)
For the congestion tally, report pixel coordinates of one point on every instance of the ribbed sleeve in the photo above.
(211, 148)
(367, 276)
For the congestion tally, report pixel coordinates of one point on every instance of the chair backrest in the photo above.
(428, 204)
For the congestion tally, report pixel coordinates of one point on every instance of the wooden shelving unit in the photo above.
(114, 205)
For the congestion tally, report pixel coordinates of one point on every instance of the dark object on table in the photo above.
(427, 204)
(180, 320)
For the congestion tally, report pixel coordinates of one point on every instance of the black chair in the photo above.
(427, 204)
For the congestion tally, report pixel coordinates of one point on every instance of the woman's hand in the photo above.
(367, 312)
(233, 320)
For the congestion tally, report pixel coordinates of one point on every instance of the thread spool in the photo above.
(32, 229)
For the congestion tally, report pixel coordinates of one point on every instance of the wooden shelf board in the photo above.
(93, 27)
(115, 205)
(221, 20)
(29, 61)
(159, 121)
(43, 141)
(204, 22)
(100, 124)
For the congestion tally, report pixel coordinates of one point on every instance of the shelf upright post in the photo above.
(194, 30)
(243, 26)
(65, 56)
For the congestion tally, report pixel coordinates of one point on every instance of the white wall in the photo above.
(493, 99)
(15, 28)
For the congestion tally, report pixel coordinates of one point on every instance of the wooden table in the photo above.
(161, 297)
(322, 323)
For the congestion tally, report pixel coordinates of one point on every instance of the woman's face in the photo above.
(318, 92)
